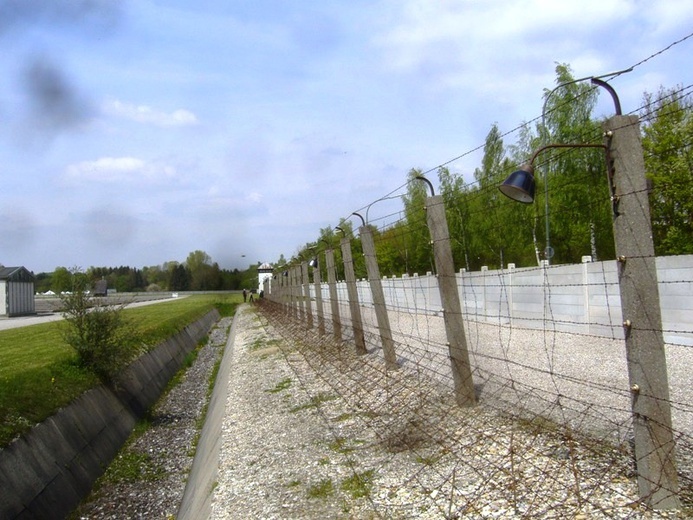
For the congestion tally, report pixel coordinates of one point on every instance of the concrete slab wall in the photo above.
(47, 472)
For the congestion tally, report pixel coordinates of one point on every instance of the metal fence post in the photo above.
(378, 297)
(353, 295)
(334, 298)
(647, 370)
(450, 298)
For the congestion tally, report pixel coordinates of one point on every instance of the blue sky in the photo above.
(134, 132)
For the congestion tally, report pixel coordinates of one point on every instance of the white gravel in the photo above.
(306, 420)
(311, 430)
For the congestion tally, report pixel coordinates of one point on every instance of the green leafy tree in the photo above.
(179, 279)
(579, 210)
(488, 208)
(390, 249)
(456, 196)
(104, 339)
(667, 129)
(418, 251)
(198, 264)
(61, 281)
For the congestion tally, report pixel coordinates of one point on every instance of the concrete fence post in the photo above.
(450, 298)
(334, 298)
(637, 276)
(296, 289)
(306, 295)
(378, 297)
(353, 295)
(318, 300)
(290, 293)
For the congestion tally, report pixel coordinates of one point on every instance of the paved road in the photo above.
(25, 321)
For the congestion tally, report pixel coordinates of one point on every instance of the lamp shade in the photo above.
(519, 185)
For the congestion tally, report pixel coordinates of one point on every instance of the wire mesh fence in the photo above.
(536, 446)
(586, 357)
(538, 353)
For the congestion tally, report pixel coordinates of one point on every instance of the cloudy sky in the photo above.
(133, 132)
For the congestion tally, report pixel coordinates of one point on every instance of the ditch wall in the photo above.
(47, 472)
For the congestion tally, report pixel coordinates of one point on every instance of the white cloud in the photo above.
(254, 197)
(147, 115)
(120, 169)
(461, 44)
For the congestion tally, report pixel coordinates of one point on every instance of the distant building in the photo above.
(16, 291)
(264, 272)
(101, 288)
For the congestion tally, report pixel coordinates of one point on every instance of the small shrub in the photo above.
(104, 339)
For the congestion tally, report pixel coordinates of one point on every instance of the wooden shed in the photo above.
(16, 291)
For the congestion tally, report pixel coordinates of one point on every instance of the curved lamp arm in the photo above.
(422, 178)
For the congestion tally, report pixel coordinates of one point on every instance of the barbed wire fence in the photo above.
(544, 392)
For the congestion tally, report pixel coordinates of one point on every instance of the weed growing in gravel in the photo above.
(314, 402)
(340, 445)
(359, 484)
(281, 385)
(427, 461)
(262, 343)
(322, 489)
(133, 466)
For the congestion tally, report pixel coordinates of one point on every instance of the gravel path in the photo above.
(149, 480)
(311, 430)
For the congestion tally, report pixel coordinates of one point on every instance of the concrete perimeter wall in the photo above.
(47, 472)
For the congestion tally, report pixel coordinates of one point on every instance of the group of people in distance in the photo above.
(246, 293)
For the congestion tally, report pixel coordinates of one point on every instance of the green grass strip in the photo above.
(39, 372)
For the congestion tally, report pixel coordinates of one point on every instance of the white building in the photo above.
(16, 291)
(264, 272)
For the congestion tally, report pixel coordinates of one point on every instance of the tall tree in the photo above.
(61, 281)
(417, 244)
(198, 265)
(488, 210)
(179, 280)
(667, 131)
(456, 197)
(578, 194)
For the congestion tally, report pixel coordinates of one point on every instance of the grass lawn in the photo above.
(39, 372)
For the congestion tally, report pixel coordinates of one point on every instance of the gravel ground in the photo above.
(149, 479)
(312, 430)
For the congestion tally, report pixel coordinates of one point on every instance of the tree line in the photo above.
(197, 273)
(572, 213)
